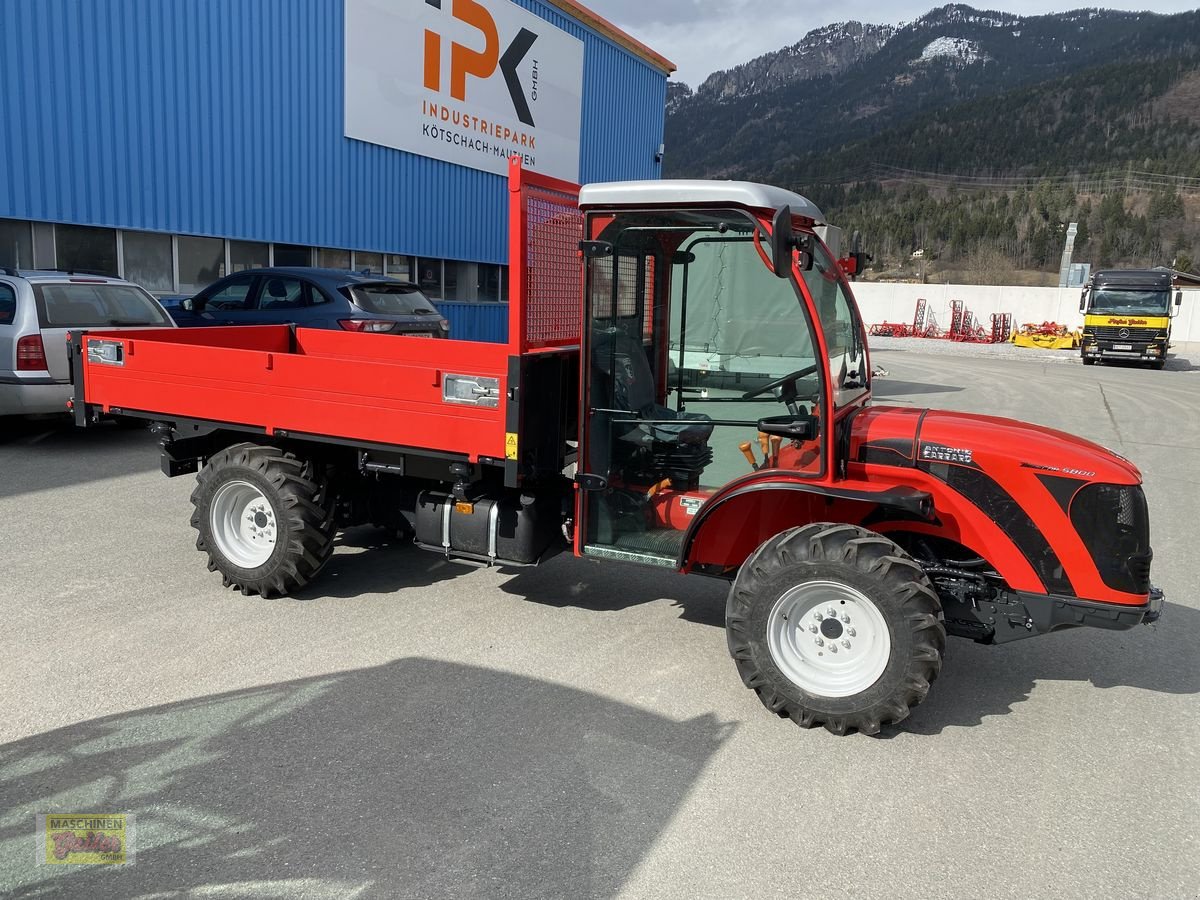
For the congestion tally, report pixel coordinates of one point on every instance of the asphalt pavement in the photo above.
(411, 728)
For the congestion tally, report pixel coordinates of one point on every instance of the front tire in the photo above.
(264, 518)
(1089, 360)
(835, 625)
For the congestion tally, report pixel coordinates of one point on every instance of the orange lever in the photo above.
(776, 442)
(744, 446)
(763, 444)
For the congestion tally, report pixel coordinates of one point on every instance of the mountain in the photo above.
(971, 133)
(825, 51)
(848, 82)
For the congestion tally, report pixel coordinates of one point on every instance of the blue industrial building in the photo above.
(174, 141)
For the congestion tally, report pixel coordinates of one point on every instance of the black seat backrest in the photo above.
(621, 360)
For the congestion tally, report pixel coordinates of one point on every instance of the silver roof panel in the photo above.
(680, 192)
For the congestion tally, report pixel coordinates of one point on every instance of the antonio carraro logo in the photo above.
(940, 453)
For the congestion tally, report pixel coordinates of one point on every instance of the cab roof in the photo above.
(698, 192)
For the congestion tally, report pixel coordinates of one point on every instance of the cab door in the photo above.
(691, 342)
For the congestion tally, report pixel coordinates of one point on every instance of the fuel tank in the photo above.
(901, 436)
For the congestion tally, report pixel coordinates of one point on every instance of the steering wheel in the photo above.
(790, 378)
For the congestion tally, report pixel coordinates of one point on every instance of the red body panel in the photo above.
(374, 388)
(886, 452)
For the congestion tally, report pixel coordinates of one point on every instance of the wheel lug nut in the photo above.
(845, 618)
(833, 648)
(818, 616)
(846, 644)
(820, 643)
(813, 628)
(851, 632)
(831, 612)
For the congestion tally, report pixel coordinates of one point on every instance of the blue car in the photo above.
(313, 298)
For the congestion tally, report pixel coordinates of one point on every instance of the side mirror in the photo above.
(189, 304)
(783, 240)
(1083, 298)
(1178, 299)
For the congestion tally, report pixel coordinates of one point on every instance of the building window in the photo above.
(245, 255)
(147, 259)
(81, 248)
(333, 259)
(16, 244)
(399, 266)
(201, 261)
(370, 262)
(491, 283)
(292, 255)
(429, 277)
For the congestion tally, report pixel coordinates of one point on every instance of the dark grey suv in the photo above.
(314, 298)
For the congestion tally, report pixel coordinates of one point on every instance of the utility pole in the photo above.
(1064, 269)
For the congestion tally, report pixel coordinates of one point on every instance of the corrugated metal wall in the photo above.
(224, 117)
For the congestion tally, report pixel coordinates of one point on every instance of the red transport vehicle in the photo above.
(686, 384)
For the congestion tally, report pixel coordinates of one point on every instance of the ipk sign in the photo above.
(471, 82)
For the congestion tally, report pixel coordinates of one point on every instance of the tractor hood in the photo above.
(894, 435)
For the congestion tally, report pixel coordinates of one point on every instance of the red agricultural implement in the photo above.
(964, 326)
(659, 333)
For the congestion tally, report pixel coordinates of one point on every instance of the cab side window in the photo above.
(841, 325)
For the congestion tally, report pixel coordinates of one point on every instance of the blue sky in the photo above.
(703, 36)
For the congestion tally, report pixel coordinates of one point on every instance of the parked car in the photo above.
(36, 311)
(314, 298)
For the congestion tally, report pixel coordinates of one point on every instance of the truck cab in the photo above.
(1127, 315)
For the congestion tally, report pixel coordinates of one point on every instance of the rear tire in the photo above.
(1089, 360)
(264, 518)
(1158, 364)
(886, 627)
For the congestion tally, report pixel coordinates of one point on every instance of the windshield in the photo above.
(1107, 301)
(389, 299)
(83, 305)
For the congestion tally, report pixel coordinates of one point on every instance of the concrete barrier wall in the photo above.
(885, 302)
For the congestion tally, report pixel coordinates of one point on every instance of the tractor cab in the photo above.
(721, 347)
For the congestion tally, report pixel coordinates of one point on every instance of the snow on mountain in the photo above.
(957, 50)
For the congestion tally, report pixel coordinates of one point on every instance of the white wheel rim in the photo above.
(828, 639)
(243, 524)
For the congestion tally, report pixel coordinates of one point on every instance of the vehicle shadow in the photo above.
(417, 778)
(37, 454)
(888, 387)
(592, 584)
(374, 561)
(978, 681)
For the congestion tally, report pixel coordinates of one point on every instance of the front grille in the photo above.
(1113, 333)
(1114, 524)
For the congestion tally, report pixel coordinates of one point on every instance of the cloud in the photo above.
(704, 36)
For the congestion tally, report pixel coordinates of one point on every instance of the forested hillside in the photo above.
(976, 137)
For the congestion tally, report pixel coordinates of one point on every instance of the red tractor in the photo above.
(686, 385)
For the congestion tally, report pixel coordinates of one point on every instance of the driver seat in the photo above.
(621, 362)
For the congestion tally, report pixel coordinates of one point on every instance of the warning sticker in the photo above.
(510, 446)
(691, 505)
